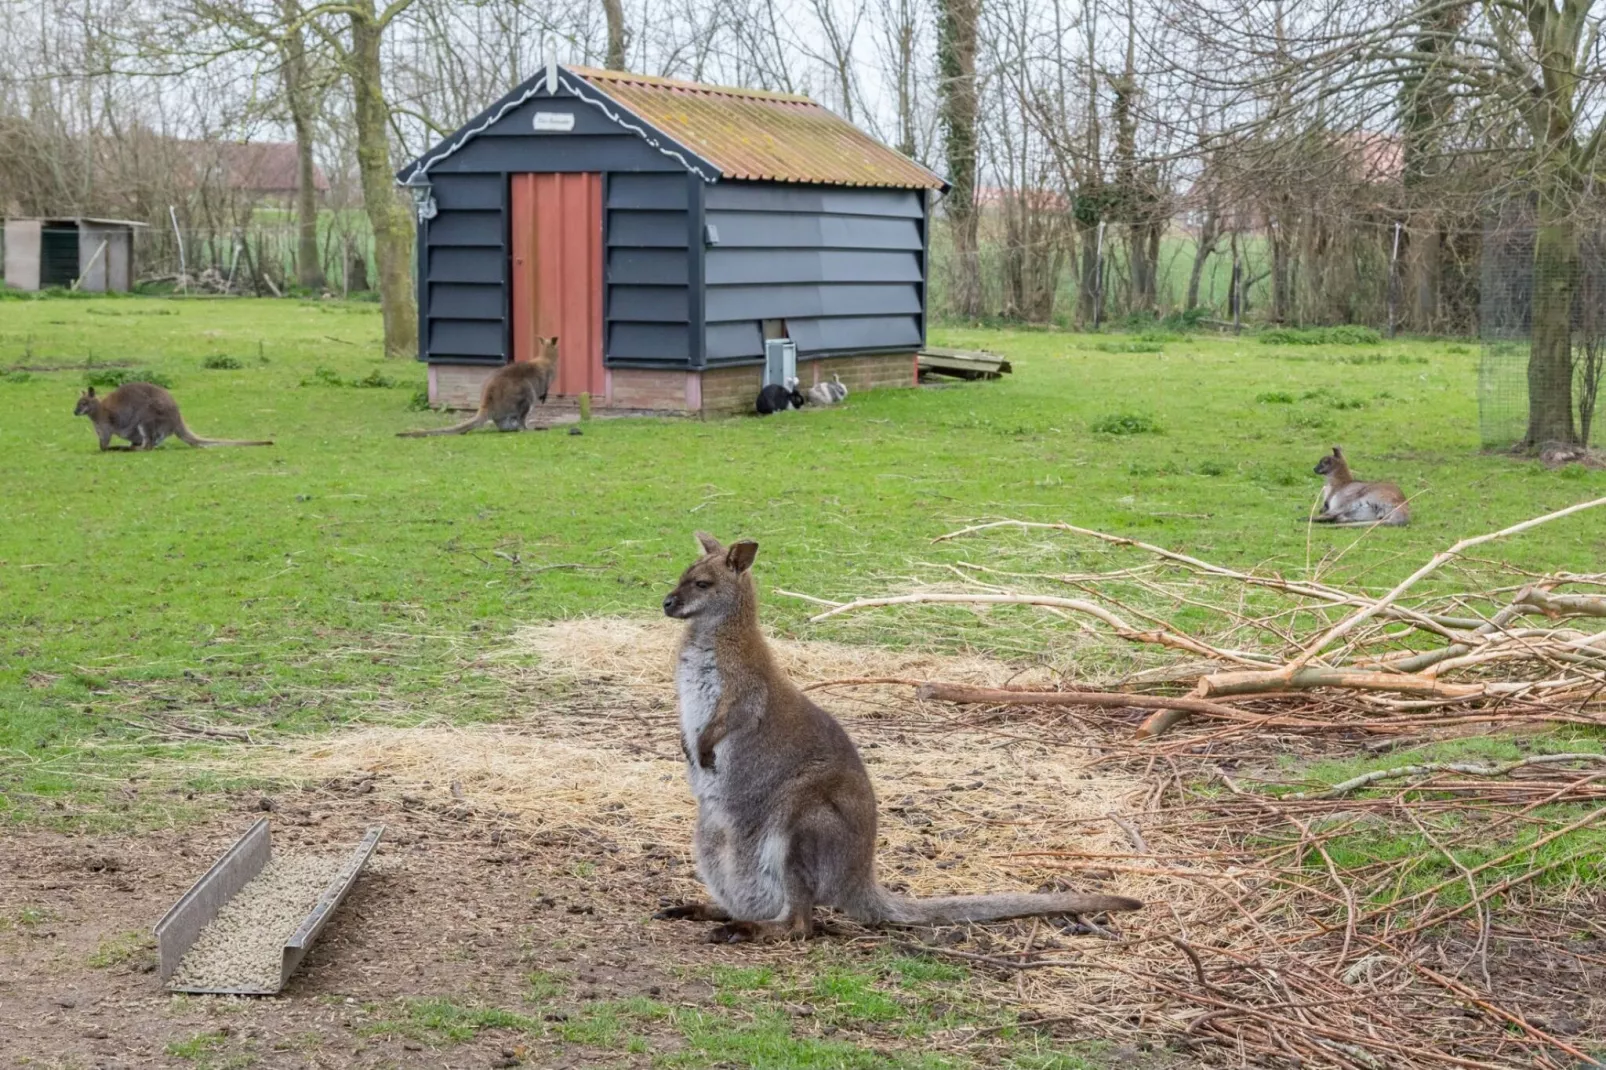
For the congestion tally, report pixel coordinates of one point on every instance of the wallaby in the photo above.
(822, 394)
(143, 413)
(776, 398)
(509, 395)
(786, 816)
(1346, 500)
(838, 389)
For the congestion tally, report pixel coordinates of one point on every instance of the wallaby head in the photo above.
(87, 403)
(548, 347)
(717, 584)
(1331, 463)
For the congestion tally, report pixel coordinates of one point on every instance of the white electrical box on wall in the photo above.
(780, 361)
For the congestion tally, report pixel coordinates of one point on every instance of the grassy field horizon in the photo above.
(289, 586)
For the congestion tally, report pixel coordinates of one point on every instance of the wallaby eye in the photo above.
(703, 585)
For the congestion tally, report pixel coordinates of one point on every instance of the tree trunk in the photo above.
(956, 62)
(1209, 234)
(1087, 292)
(1550, 360)
(392, 223)
(618, 35)
(309, 267)
(1425, 253)
(1281, 274)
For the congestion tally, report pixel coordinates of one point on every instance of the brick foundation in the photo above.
(721, 391)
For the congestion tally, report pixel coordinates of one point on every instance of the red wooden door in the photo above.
(557, 275)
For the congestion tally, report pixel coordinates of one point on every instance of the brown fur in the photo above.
(509, 395)
(786, 816)
(1347, 500)
(145, 415)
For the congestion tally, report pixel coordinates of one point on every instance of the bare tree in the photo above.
(299, 93)
(618, 34)
(956, 63)
(897, 31)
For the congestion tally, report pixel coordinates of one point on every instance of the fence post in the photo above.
(1394, 280)
(1235, 292)
(183, 271)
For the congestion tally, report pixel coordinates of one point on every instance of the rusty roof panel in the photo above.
(753, 134)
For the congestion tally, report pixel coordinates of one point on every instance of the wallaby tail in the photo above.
(191, 438)
(884, 906)
(456, 429)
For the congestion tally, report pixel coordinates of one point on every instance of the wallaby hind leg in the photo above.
(692, 912)
(818, 861)
(796, 922)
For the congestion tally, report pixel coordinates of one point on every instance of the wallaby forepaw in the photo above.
(692, 912)
(734, 932)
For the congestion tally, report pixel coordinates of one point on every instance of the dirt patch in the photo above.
(542, 845)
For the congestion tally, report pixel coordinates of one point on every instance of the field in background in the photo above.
(292, 585)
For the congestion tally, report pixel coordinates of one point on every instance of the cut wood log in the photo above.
(962, 363)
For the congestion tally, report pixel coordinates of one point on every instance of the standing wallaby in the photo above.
(143, 413)
(1346, 500)
(509, 395)
(786, 816)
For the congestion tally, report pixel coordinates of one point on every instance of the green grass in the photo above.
(883, 1012)
(198, 1047)
(120, 950)
(294, 588)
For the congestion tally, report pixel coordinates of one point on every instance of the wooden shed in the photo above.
(663, 231)
(95, 254)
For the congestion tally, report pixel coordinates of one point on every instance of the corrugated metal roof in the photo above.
(752, 134)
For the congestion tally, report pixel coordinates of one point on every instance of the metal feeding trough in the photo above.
(223, 884)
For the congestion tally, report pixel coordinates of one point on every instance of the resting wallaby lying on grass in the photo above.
(509, 395)
(145, 414)
(786, 816)
(1347, 500)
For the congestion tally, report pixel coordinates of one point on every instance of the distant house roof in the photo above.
(743, 133)
(255, 166)
(1375, 158)
(1036, 198)
(75, 219)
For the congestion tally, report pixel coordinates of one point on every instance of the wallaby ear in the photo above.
(741, 554)
(1337, 452)
(709, 544)
(89, 393)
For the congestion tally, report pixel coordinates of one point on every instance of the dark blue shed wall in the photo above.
(845, 268)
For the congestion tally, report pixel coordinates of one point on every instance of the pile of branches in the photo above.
(1279, 939)
(1424, 914)
(1403, 666)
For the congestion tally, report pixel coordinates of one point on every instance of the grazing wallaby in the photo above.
(1347, 500)
(509, 395)
(143, 413)
(786, 816)
(776, 398)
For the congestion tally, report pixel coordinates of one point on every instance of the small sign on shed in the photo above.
(553, 122)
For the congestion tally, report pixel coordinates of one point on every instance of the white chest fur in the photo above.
(698, 684)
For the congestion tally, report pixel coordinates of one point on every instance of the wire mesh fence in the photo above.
(1522, 291)
(1395, 272)
(262, 258)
